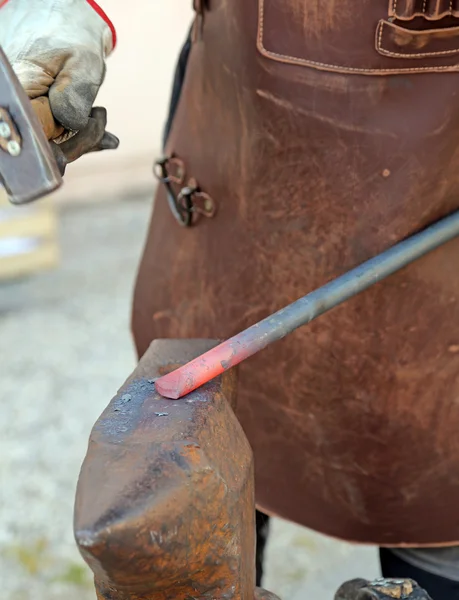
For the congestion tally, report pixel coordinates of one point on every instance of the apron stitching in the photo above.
(306, 62)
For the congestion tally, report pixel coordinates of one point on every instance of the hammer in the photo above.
(31, 163)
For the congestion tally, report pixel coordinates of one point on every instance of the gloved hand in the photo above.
(58, 47)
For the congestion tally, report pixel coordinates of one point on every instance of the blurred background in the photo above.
(67, 269)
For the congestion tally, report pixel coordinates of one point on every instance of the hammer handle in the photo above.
(42, 109)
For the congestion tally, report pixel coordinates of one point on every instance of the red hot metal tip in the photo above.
(169, 385)
(199, 371)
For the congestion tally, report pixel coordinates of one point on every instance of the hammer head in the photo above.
(28, 169)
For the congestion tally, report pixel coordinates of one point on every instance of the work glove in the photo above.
(58, 48)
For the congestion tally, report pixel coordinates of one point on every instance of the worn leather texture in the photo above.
(354, 418)
(345, 37)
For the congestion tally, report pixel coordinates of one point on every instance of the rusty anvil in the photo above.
(31, 163)
(165, 505)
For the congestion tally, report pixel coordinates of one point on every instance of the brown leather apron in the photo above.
(324, 131)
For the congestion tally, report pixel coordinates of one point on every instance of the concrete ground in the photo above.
(65, 349)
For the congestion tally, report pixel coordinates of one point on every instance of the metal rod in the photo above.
(247, 343)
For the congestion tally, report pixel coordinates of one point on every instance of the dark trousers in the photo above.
(392, 567)
(437, 587)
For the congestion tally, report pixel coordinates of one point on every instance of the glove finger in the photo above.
(59, 157)
(35, 79)
(75, 89)
(108, 142)
(86, 138)
(90, 139)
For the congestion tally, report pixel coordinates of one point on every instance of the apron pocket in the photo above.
(380, 38)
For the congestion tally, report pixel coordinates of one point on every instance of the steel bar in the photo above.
(247, 343)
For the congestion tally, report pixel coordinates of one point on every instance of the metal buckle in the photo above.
(190, 201)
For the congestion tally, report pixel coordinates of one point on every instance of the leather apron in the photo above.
(322, 132)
